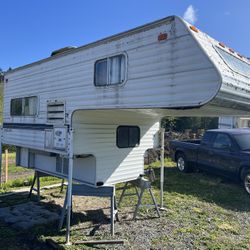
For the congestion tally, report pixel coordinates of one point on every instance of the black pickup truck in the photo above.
(225, 152)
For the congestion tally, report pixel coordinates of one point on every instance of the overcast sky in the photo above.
(31, 29)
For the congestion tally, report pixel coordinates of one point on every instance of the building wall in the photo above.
(234, 122)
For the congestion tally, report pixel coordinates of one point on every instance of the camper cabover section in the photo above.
(112, 93)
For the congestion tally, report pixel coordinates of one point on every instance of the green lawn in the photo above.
(26, 182)
(11, 156)
(12, 168)
(210, 210)
(203, 212)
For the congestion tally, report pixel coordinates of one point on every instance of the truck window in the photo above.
(222, 141)
(243, 141)
(207, 138)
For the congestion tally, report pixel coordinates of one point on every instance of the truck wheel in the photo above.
(246, 180)
(182, 163)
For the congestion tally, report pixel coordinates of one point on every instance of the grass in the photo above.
(11, 156)
(203, 212)
(26, 182)
(12, 168)
(210, 211)
(21, 181)
(167, 163)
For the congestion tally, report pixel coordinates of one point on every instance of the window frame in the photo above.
(128, 126)
(217, 49)
(23, 106)
(108, 71)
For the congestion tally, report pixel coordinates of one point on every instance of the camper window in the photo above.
(16, 106)
(127, 136)
(26, 106)
(234, 63)
(110, 71)
(101, 76)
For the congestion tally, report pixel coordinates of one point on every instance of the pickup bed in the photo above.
(225, 152)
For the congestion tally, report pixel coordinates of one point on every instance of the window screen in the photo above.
(110, 71)
(26, 106)
(127, 136)
(235, 63)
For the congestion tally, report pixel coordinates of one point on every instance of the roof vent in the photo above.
(62, 50)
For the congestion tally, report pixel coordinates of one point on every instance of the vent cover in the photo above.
(56, 112)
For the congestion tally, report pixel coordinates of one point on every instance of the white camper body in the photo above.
(114, 90)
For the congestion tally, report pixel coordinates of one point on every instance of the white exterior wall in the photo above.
(95, 134)
(234, 122)
(235, 88)
(24, 138)
(226, 122)
(159, 74)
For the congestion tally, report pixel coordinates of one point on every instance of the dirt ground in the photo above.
(91, 220)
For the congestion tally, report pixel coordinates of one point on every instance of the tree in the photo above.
(168, 123)
(179, 124)
(1, 75)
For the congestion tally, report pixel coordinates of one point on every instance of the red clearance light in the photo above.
(239, 55)
(162, 36)
(193, 28)
(231, 50)
(222, 45)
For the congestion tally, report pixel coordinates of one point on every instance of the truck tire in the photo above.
(246, 180)
(181, 163)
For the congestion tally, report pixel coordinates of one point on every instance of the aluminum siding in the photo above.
(159, 74)
(95, 133)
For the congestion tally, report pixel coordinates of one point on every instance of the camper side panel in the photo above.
(96, 134)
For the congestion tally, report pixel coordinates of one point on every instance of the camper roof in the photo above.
(107, 39)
